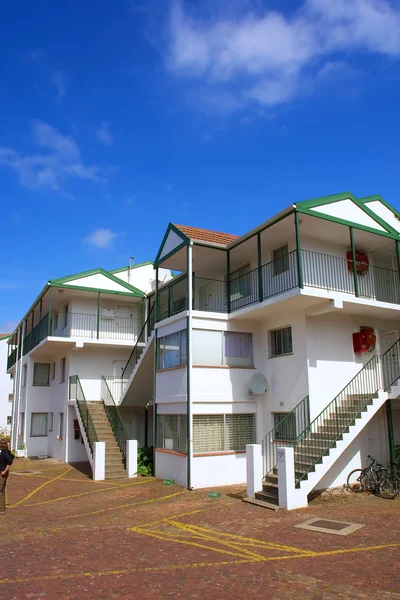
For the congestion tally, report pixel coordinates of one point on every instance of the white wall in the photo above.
(6, 388)
(76, 448)
(144, 277)
(209, 471)
(171, 466)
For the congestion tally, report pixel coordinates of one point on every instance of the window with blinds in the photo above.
(217, 348)
(172, 350)
(222, 433)
(172, 432)
(41, 374)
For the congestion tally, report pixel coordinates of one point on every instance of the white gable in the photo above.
(98, 281)
(348, 211)
(384, 213)
(144, 278)
(173, 241)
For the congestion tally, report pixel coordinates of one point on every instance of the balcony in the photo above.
(321, 271)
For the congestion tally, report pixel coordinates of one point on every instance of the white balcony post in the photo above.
(99, 461)
(254, 469)
(289, 497)
(131, 458)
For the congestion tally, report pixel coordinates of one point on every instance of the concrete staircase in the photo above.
(114, 460)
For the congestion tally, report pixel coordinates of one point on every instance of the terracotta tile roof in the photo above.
(206, 235)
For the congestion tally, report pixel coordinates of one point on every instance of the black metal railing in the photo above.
(113, 415)
(284, 433)
(326, 272)
(172, 299)
(210, 294)
(12, 358)
(280, 275)
(315, 441)
(138, 348)
(391, 365)
(76, 393)
(38, 333)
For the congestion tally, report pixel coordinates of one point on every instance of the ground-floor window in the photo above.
(172, 432)
(285, 427)
(39, 425)
(222, 433)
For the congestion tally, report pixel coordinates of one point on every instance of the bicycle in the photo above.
(374, 479)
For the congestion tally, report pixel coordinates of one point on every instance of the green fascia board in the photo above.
(185, 239)
(66, 286)
(137, 266)
(368, 199)
(106, 274)
(316, 202)
(311, 213)
(5, 337)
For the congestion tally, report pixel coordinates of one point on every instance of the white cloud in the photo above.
(60, 81)
(269, 58)
(103, 134)
(58, 158)
(101, 238)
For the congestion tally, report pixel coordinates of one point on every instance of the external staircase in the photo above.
(323, 440)
(99, 421)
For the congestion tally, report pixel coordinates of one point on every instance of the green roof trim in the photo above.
(64, 280)
(185, 242)
(308, 205)
(137, 266)
(368, 199)
(5, 337)
(66, 286)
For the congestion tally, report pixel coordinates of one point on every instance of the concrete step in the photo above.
(266, 497)
(272, 478)
(270, 488)
(262, 504)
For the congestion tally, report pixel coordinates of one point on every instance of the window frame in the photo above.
(182, 351)
(181, 420)
(24, 375)
(223, 358)
(280, 263)
(53, 371)
(50, 419)
(60, 434)
(293, 424)
(32, 417)
(48, 375)
(272, 344)
(225, 450)
(63, 369)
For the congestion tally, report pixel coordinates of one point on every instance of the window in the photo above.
(63, 369)
(61, 426)
(41, 374)
(238, 349)
(281, 260)
(285, 427)
(53, 371)
(50, 422)
(39, 425)
(240, 282)
(172, 350)
(24, 375)
(222, 433)
(217, 348)
(21, 423)
(281, 342)
(9, 420)
(65, 323)
(10, 397)
(172, 432)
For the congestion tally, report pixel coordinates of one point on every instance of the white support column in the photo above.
(254, 469)
(289, 497)
(99, 461)
(131, 458)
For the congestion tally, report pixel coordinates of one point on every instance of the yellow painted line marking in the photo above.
(35, 491)
(127, 571)
(190, 512)
(108, 489)
(113, 508)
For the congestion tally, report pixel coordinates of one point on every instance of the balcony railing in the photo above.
(319, 270)
(12, 359)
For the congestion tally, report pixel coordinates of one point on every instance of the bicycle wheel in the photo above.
(396, 483)
(386, 489)
(356, 481)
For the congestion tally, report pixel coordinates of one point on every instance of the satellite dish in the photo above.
(258, 384)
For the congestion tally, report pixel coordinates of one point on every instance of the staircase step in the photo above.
(262, 504)
(266, 497)
(270, 489)
(272, 478)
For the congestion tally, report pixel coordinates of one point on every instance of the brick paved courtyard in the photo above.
(65, 536)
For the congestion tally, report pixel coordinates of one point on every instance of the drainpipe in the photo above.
(189, 444)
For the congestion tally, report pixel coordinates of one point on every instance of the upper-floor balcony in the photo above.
(275, 278)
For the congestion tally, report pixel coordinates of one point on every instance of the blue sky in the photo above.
(120, 117)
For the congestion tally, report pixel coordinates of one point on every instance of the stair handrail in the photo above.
(83, 410)
(114, 416)
(360, 400)
(270, 443)
(390, 378)
(132, 354)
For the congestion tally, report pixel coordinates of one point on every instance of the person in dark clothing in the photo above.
(6, 459)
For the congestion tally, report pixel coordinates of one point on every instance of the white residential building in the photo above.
(6, 388)
(78, 334)
(285, 336)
